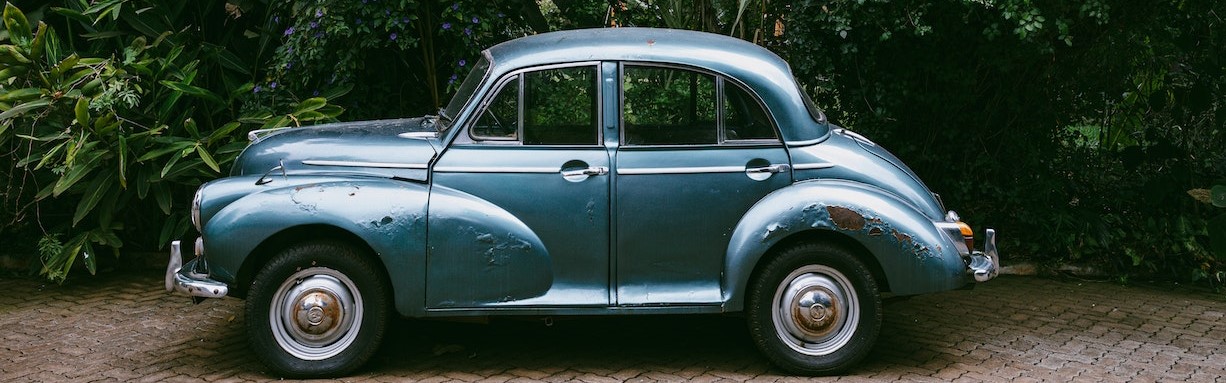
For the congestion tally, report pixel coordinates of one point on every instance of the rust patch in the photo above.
(903, 238)
(876, 231)
(845, 218)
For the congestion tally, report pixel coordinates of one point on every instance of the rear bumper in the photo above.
(984, 265)
(191, 279)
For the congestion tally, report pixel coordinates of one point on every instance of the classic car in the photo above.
(586, 172)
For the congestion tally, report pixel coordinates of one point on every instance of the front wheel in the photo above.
(814, 309)
(317, 309)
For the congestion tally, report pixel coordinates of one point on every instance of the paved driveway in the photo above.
(124, 327)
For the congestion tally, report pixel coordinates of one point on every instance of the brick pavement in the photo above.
(124, 327)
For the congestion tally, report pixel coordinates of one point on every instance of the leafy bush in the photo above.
(104, 133)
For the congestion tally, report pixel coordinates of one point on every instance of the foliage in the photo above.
(400, 57)
(107, 130)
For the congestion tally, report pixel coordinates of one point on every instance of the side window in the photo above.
(545, 107)
(744, 118)
(668, 106)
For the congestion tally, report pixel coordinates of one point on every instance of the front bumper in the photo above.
(191, 279)
(984, 265)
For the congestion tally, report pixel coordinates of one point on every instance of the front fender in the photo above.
(914, 255)
(389, 216)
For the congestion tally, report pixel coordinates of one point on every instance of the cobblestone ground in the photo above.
(124, 327)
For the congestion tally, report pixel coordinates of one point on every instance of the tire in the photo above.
(342, 310)
(839, 301)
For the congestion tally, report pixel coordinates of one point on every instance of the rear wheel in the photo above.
(317, 309)
(814, 309)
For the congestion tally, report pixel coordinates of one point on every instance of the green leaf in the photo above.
(162, 196)
(208, 159)
(17, 25)
(1217, 195)
(39, 44)
(123, 161)
(20, 109)
(94, 193)
(177, 146)
(310, 104)
(22, 94)
(82, 112)
(192, 90)
(224, 131)
(77, 171)
(190, 126)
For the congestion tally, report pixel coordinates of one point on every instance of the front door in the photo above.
(530, 171)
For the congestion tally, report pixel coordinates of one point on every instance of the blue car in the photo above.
(588, 172)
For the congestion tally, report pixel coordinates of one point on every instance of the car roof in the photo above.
(764, 72)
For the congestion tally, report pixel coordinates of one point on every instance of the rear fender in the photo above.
(913, 254)
(389, 216)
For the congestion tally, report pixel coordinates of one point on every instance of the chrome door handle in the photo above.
(779, 168)
(592, 171)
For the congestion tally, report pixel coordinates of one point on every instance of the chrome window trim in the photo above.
(360, 164)
(813, 166)
(518, 76)
(495, 169)
(681, 170)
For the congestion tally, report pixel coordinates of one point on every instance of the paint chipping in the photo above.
(902, 238)
(875, 231)
(845, 218)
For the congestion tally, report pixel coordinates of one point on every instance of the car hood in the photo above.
(400, 149)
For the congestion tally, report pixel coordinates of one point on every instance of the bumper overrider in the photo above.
(192, 278)
(983, 265)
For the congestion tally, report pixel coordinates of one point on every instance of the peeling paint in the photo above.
(875, 231)
(845, 218)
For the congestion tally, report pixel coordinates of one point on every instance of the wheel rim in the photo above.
(815, 310)
(316, 313)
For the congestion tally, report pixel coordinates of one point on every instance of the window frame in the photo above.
(721, 133)
(518, 77)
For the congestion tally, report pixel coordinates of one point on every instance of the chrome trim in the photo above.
(360, 164)
(592, 171)
(954, 233)
(793, 144)
(260, 134)
(196, 201)
(813, 166)
(984, 264)
(494, 169)
(682, 170)
(418, 135)
(187, 282)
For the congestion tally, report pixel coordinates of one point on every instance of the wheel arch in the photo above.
(857, 249)
(282, 240)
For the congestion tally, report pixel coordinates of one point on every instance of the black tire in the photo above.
(841, 306)
(341, 310)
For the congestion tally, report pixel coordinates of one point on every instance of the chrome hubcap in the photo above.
(815, 310)
(315, 313)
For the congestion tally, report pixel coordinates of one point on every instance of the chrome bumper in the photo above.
(184, 279)
(984, 264)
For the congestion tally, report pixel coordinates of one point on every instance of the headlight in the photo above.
(196, 210)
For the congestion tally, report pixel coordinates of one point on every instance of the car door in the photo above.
(697, 151)
(519, 210)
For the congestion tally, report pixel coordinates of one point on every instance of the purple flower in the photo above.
(257, 89)
(319, 13)
(289, 31)
(276, 19)
(315, 93)
(387, 12)
(455, 6)
(314, 25)
(446, 26)
(475, 21)
(272, 85)
(405, 20)
(393, 36)
(462, 62)
(468, 31)
(452, 80)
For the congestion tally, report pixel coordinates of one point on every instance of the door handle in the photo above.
(778, 168)
(592, 171)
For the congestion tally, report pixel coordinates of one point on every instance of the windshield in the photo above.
(463, 93)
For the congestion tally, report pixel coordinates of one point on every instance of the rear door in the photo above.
(697, 151)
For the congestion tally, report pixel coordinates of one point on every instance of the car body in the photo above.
(588, 172)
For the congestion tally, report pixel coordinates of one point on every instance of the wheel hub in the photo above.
(318, 313)
(814, 310)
